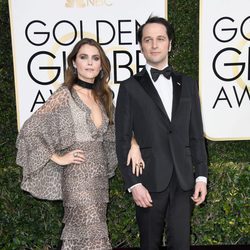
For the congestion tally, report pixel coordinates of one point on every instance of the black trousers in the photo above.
(172, 208)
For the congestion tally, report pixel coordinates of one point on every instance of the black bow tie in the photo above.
(155, 73)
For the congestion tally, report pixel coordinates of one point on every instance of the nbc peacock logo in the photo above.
(87, 3)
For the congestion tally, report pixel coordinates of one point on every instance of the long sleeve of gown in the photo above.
(46, 132)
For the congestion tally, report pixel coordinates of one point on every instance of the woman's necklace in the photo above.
(85, 85)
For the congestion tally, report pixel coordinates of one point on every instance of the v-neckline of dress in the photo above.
(85, 107)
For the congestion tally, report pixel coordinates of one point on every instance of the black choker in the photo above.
(85, 85)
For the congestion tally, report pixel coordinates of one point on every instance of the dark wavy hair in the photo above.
(159, 20)
(102, 90)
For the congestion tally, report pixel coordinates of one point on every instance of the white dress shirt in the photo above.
(164, 88)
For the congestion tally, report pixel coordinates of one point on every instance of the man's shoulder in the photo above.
(188, 78)
(129, 81)
(134, 78)
(184, 78)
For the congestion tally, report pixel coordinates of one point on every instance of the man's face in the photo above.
(155, 45)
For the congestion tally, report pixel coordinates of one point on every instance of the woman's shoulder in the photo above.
(60, 98)
(62, 94)
(62, 91)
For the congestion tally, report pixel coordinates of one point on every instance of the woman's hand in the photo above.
(134, 155)
(75, 156)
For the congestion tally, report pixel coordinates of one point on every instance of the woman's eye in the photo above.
(96, 58)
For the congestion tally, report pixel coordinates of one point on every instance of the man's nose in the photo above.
(154, 43)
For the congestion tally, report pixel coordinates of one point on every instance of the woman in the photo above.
(67, 148)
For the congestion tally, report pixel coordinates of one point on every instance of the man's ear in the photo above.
(140, 47)
(170, 46)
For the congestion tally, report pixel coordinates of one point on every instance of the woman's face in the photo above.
(88, 63)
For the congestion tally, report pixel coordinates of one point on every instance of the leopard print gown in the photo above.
(61, 125)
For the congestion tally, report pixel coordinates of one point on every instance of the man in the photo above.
(162, 111)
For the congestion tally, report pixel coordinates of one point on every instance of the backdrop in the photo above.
(27, 223)
(43, 36)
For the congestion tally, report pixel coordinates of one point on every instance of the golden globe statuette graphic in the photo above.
(224, 69)
(242, 45)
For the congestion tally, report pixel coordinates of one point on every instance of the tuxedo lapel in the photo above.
(177, 86)
(146, 83)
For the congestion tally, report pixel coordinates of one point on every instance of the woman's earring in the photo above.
(101, 74)
(74, 71)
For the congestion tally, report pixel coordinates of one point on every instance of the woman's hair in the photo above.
(102, 90)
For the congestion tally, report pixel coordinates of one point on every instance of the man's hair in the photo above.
(159, 20)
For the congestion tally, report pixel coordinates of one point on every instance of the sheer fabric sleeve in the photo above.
(49, 130)
(110, 149)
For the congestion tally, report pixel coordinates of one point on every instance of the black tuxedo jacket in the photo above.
(165, 145)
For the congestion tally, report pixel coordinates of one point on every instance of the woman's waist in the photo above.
(89, 146)
(92, 151)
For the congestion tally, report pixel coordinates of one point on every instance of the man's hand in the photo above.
(141, 196)
(200, 192)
